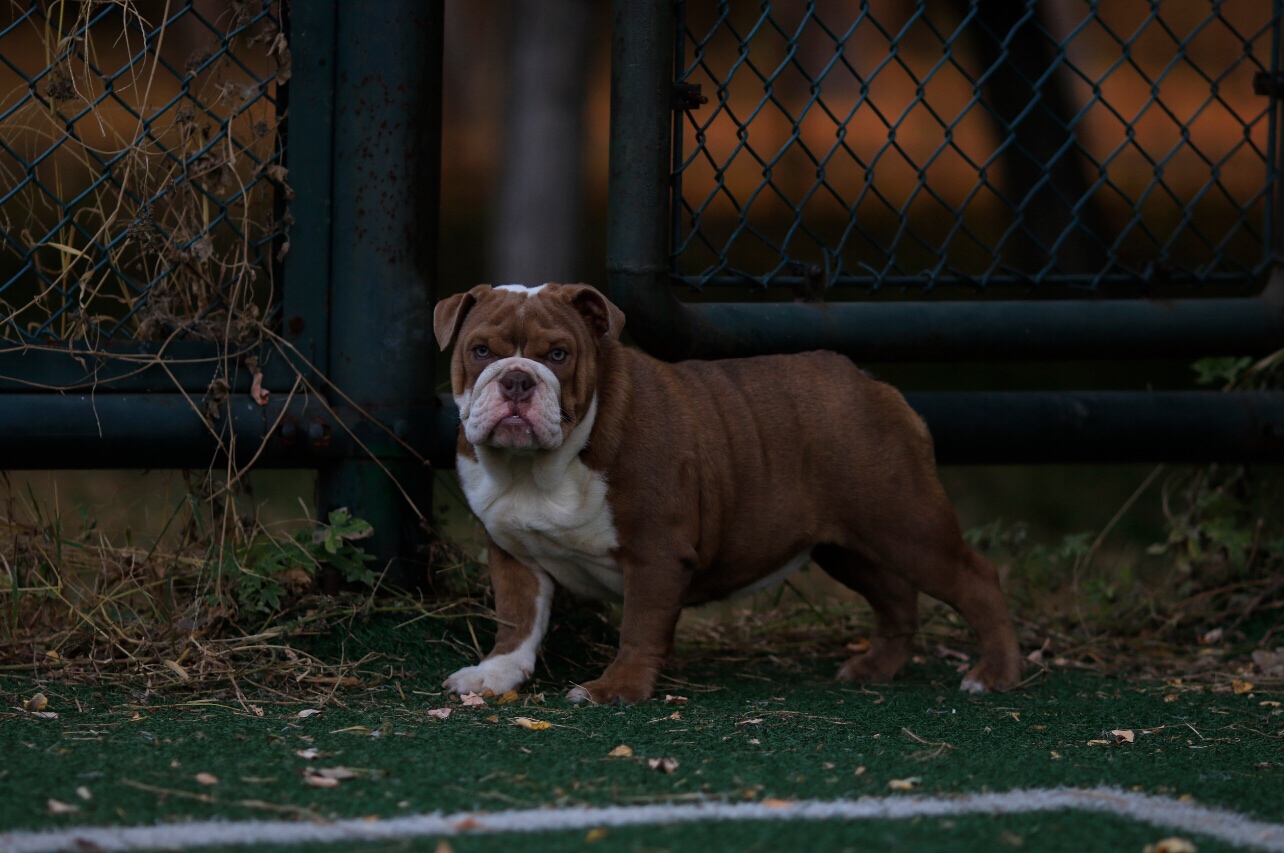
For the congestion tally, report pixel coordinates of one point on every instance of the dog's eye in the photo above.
(481, 351)
(557, 355)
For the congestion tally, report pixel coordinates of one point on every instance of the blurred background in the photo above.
(1154, 89)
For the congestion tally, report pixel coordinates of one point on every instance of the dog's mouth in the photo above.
(514, 431)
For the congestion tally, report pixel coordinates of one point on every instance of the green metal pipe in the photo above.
(42, 431)
(137, 366)
(637, 216)
(387, 143)
(1028, 427)
(1025, 427)
(309, 157)
(971, 331)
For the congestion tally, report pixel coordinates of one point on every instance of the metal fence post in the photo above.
(637, 218)
(387, 127)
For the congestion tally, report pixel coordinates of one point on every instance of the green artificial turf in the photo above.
(748, 732)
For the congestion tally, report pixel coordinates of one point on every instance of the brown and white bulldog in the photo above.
(617, 476)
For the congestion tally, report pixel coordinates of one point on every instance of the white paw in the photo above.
(971, 685)
(578, 695)
(498, 675)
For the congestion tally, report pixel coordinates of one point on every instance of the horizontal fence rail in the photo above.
(1080, 427)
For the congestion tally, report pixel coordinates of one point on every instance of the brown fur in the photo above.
(720, 472)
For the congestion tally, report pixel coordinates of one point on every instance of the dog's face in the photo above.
(525, 368)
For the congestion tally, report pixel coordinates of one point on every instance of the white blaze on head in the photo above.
(483, 407)
(521, 288)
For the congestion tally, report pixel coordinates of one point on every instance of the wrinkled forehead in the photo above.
(518, 311)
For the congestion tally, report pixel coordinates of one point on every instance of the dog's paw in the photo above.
(984, 679)
(609, 692)
(499, 674)
(579, 695)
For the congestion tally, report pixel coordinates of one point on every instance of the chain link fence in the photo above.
(1112, 147)
(141, 185)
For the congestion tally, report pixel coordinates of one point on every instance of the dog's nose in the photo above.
(517, 385)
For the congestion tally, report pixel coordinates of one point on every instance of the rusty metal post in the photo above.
(387, 133)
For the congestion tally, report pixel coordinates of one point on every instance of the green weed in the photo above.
(264, 567)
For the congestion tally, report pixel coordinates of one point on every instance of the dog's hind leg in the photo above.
(935, 560)
(894, 602)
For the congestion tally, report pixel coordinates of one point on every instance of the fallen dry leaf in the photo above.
(317, 781)
(493, 718)
(84, 793)
(621, 751)
(1123, 735)
(472, 700)
(308, 712)
(1241, 686)
(905, 784)
(674, 716)
(35, 703)
(1098, 742)
(337, 773)
(597, 833)
(664, 765)
(1054, 755)
(258, 393)
(440, 713)
(44, 715)
(675, 700)
(258, 712)
(752, 722)
(532, 725)
(59, 807)
(178, 669)
(1172, 844)
(206, 779)
(309, 754)
(510, 696)
(860, 771)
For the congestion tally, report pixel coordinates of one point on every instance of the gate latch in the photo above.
(1269, 84)
(687, 97)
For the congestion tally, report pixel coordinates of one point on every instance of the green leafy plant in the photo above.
(265, 568)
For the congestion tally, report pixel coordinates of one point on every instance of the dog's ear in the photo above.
(449, 314)
(599, 312)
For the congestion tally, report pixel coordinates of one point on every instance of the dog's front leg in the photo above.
(653, 592)
(523, 597)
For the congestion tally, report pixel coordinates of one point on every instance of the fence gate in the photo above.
(217, 242)
(958, 180)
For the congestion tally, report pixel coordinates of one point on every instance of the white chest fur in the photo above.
(550, 511)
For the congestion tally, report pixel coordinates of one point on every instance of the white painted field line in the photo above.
(1162, 812)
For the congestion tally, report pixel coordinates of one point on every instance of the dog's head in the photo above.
(525, 368)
